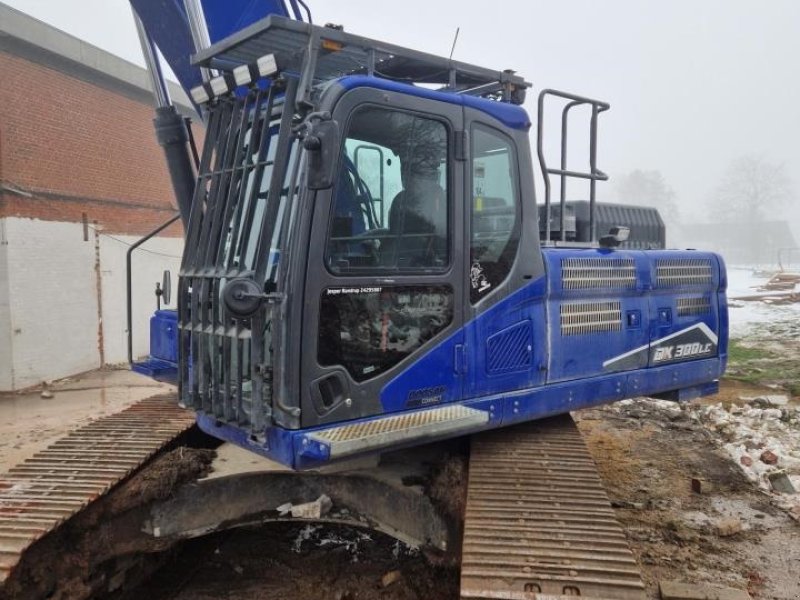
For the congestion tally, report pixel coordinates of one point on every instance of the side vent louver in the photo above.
(680, 272)
(594, 273)
(590, 317)
(698, 305)
(510, 349)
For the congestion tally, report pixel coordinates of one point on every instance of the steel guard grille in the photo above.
(240, 221)
(590, 317)
(683, 272)
(699, 305)
(594, 273)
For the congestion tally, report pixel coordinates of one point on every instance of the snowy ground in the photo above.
(745, 317)
(749, 425)
(764, 440)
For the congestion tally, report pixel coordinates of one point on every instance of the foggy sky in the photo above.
(692, 84)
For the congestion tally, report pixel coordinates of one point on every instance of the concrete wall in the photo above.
(53, 309)
(58, 321)
(5, 314)
(149, 262)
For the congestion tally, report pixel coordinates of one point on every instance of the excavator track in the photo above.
(45, 490)
(538, 523)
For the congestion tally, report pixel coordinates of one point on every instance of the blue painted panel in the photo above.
(685, 293)
(160, 370)
(510, 349)
(164, 335)
(510, 115)
(436, 370)
(563, 397)
(571, 357)
(162, 364)
(595, 312)
(294, 449)
(722, 308)
(524, 308)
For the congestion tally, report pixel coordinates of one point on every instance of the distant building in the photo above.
(740, 243)
(81, 178)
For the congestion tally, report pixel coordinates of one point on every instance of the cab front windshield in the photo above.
(391, 197)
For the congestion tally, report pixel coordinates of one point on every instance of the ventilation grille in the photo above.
(698, 305)
(593, 273)
(590, 317)
(677, 272)
(510, 349)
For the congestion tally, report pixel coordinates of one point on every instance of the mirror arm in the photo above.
(129, 277)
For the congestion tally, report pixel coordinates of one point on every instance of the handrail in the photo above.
(593, 175)
(129, 277)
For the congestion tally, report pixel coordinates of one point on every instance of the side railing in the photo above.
(129, 277)
(593, 174)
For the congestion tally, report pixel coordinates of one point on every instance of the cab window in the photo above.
(391, 198)
(495, 211)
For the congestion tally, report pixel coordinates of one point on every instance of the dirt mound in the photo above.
(77, 560)
(448, 485)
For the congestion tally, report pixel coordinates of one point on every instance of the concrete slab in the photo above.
(233, 460)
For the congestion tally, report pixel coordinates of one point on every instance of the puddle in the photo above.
(29, 423)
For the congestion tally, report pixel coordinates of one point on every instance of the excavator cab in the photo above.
(348, 191)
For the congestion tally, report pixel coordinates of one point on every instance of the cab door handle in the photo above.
(459, 359)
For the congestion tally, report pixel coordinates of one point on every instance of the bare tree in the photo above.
(648, 188)
(749, 188)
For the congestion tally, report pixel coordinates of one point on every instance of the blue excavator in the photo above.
(366, 266)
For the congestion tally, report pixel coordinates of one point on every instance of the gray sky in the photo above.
(692, 83)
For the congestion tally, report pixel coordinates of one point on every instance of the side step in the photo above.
(388, 431)
(538, 523)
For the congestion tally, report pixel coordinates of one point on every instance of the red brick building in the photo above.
(81, 178)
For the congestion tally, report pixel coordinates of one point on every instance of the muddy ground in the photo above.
(730, 533)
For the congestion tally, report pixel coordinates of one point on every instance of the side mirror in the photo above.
(615, 237)
(320, 135)
(166, 287)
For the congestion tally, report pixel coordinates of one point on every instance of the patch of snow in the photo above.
(748, 431)
(745, 315)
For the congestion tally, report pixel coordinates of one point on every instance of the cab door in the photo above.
(506, 337)
(383, 304)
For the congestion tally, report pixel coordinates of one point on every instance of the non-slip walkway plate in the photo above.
(411, 426)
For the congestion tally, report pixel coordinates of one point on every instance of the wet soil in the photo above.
(290, 561)
(80, 558)
(648, 458)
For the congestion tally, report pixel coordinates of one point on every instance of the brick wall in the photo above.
(72, 147)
